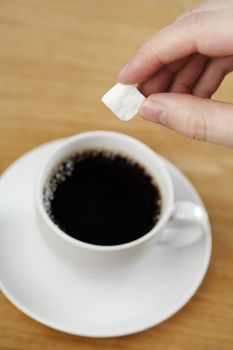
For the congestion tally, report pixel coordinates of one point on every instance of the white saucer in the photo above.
(83, 304)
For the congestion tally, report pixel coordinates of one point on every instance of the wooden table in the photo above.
(56, 61)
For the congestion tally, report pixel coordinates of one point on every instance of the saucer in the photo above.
(85, 304)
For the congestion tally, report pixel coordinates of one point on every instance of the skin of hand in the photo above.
(180, 67)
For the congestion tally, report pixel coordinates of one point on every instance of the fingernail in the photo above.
(153, 111)
(124, 68)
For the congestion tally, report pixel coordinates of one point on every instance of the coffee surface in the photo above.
(102, 198)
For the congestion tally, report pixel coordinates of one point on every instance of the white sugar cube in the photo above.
(123, 100)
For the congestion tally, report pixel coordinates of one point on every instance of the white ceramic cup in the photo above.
(108, 258)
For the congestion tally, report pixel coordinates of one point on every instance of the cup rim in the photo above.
(89, 246)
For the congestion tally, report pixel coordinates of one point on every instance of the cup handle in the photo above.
(187, 224)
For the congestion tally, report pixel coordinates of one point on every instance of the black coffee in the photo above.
(102, 198)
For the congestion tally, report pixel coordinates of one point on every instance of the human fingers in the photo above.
(187, 76)
(161, 80)
(212, 76)
(197, 118)
(198, 75)
(209, 33)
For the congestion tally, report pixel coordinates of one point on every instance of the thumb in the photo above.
(198, 118)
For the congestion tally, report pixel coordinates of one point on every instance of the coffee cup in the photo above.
(92, 257)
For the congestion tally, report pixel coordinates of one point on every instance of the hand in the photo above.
(181, 66)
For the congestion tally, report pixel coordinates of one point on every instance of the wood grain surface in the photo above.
(57, 58)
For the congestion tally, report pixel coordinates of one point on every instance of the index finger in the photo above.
(207, 33)
(164, 47)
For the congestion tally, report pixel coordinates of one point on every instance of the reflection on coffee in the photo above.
(102, 198)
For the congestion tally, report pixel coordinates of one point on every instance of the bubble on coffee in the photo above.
(60, 174)
(101, 197)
